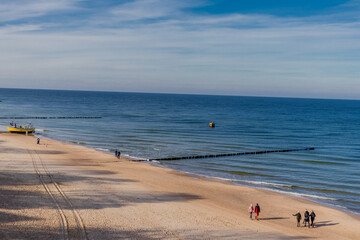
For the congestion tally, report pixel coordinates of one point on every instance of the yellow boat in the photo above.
(28, 128)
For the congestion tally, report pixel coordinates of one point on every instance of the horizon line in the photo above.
(172, 93)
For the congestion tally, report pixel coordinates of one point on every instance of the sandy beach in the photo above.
(56, 190)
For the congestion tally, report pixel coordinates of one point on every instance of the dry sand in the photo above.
(63, 191)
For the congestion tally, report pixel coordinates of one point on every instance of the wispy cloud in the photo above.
(11, 10)
(351, 3)
(151, 9)
(10, 29)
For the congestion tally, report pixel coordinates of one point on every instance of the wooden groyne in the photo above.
(230, 154)
(43, 117)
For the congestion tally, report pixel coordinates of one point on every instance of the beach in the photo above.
(55, 190)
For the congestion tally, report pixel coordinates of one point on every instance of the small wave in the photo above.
(321, 162)
(42, 130)
(243, 173)
(255, 182)
(141, 140)
(305, 195)
(75, 142)
(156, 149)
(135, 158)
(268, 184)
(323, 190)
(103, 149)
(349, 201)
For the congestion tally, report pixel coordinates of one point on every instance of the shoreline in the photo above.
(167, 203)
(313, 198)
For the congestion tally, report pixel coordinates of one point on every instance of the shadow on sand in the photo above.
(273, 218)
(21, 191)
(324, 224)
(10, 218)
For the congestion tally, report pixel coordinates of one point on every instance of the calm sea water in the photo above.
(163, 125)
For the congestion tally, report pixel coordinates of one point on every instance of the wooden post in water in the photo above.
(230, 154)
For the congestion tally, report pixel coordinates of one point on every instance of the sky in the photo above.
(282, 48)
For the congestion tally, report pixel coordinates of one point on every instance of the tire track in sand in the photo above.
(71, 224)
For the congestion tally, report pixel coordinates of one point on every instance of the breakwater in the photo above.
(231, 154)
(44, 117)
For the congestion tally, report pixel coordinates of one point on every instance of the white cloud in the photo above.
(19, 9)
(9, 29)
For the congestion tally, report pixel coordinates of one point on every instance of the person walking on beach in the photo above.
(298, 218)
(38, 141)
(257, 211)
(312, 217)
(306, 218)
(251, 210)
(118, 154)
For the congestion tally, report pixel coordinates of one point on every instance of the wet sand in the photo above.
(61, 191)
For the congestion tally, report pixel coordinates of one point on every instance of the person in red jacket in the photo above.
(257, 211)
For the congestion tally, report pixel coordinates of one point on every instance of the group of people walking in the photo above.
(117, 153)
(255, 210)
(309, 218)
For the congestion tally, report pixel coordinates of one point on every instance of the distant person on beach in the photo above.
(257, 211)
(251, 210)
(306, 218)
(38, 141)
(312, 217)
(298, 218)
(118, 154)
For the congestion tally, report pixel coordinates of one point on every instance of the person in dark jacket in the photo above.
(298, 218)
(312, 217)
(116, 153)
(257, 211)
(38, 141)
(306, 218)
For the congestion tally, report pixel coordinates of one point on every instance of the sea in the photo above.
(148, 125)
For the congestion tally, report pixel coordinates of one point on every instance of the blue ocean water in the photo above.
(146, 126)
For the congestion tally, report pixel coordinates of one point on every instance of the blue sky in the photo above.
(279, 48)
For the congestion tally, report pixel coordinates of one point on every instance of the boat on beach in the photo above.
(27, 128)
